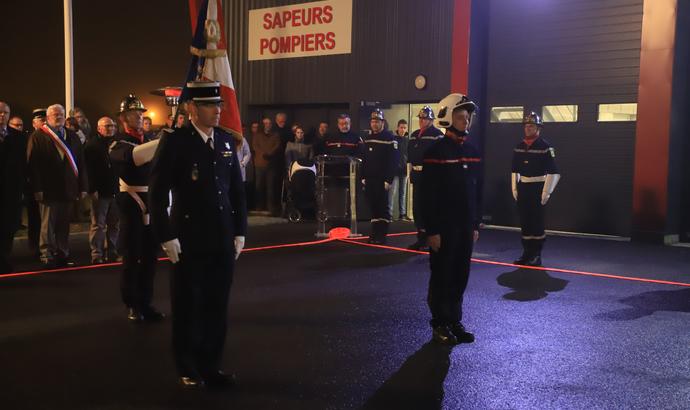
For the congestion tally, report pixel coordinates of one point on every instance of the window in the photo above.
(559, 113)
(506, 114)
(617, 112)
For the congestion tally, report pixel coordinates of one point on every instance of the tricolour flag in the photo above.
(210, 58)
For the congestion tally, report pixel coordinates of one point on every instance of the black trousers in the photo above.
(138, 248)
(6, 239)
(417, 211)
(450, 271)
(200, 286)
(33, 216)
(531, 216)
(377, 196)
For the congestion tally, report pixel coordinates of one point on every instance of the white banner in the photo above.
(301, 30)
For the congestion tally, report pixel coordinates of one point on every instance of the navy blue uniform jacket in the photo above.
(208, 205)
(448, 203)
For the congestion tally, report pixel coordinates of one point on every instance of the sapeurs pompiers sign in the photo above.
(301, 30)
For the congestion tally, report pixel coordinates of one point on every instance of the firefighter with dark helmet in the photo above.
(381, 158)
(420, 141)
(130, 156)
(448, 209)
(534, 177)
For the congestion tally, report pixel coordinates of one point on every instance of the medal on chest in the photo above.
(195, 172)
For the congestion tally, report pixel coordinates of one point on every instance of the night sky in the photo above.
(119, 47)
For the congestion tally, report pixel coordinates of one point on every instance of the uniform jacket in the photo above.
(339, 143)
(535, 160)
(51, 173)
(12, 178)
(381, 156)
(208, 202)
(417, 147)
(102, 178)
(447, 202)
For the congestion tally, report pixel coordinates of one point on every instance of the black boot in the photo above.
(374, 235)
(462, 335)
(443, 335)
(383, 232)
(522, 260)
(535, 254)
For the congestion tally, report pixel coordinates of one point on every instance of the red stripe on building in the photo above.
(460, 47)
(650, 183)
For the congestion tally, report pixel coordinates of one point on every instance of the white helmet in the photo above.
(451, 102)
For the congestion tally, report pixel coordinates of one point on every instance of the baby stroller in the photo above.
(301, 189)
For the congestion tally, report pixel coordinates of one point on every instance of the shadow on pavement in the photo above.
(418, 384)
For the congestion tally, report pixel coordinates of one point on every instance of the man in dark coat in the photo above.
(12, 177)
(58, 179)
(203, 234)
(103, 185)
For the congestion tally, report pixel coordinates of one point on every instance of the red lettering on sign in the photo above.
(320, 37)
(308, 42)
(330, 40)
(328, 14)
(268, 24)
(317, 15)
(263, 44)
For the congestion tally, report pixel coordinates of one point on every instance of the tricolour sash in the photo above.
(62, 148)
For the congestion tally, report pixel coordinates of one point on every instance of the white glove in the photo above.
(239, 245)
(173, 249)
(144, 153)
(545, 198)
(549, 186)
(513, 184)
(386, 185)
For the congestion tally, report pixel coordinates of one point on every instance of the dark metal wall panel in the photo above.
(388, 38)
(583, 52)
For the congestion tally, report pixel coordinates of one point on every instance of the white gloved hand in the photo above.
(239, 245)
(545, 197)
(386, 185)
(513, 184)
(173, 249)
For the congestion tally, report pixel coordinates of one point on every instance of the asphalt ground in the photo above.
(339, 325)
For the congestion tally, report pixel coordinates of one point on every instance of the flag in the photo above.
(210, 58)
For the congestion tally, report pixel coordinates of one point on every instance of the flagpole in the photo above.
(69, 57)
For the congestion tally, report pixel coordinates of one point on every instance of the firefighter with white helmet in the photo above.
(448, 209)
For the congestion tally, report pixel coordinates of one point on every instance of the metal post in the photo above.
(321, 212)
(69, 57)
(353, 198)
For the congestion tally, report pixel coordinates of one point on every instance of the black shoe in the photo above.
(151, 314)
(97, 261)
(220, 380)
(48, 265)
(533, 261)
(134, 315)
(191, 382)
(443, 335)
(462, 335)
(521, 260)
(64, 263)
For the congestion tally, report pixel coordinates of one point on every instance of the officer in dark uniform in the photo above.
(448, 208)
(203, 235)
(130, 157)
(533, 179)
(381, 157)
(343, 142)
(33, 214)
(12, 180)
(420, 141)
